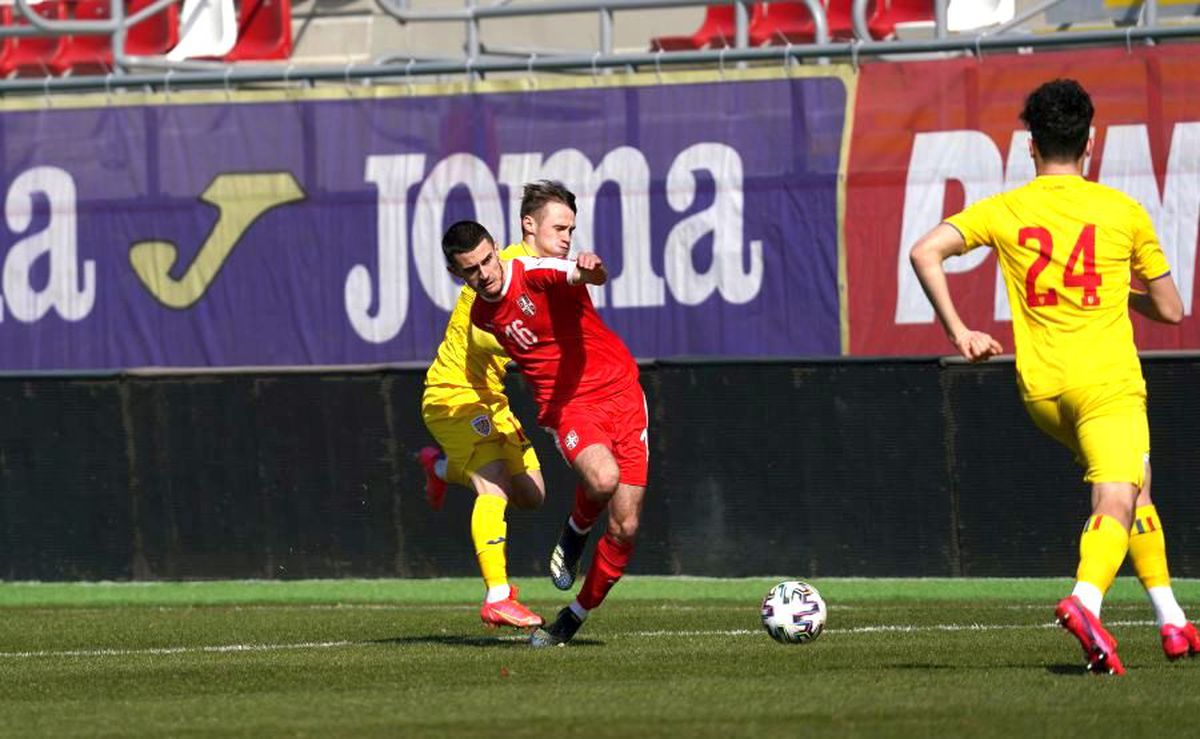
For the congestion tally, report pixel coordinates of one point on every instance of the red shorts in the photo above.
(619, 422)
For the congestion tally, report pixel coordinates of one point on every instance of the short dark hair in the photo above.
(463, 237)
(537, 194)
(1059, 117)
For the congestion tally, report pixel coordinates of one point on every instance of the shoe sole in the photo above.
(497, 624)
(562, 577)
(540, 639)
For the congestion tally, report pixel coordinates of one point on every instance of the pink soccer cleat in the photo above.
(509, 612)
(1099, 646)
(1180, 641)
(435, 487)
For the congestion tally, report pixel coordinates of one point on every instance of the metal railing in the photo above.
(473, 14)
(477, 62)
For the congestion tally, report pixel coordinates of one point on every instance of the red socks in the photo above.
(608, 564)
(586, 511)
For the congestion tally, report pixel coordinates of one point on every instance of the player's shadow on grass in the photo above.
(493, 642)
(925, 666)
(1069, 670)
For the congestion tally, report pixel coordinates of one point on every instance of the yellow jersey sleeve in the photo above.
(481, 342)
(975, 223)
(462, 360)
(1149, 262)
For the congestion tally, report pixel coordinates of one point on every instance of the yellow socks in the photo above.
(489, 532)
(1102, 548)
(1148, 548)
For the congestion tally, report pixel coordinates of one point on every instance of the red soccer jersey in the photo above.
(551, 329)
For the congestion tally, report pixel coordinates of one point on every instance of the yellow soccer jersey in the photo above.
(470, 359)
(1066, 247)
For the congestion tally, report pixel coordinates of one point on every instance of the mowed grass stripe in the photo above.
(716, 633)
(468, 590)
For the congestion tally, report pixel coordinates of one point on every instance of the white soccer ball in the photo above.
(793, 612)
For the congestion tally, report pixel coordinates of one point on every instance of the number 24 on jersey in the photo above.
(1087, 278)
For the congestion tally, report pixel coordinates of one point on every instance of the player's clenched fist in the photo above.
(589, 261)
(977, 346)
(590, 269)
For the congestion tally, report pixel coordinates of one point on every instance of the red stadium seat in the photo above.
(93, 53)
(264, 30)
(152, 37)
(6, 42)
(790, 22)
(155, 35)
(31, 56)
(888, 13)
(718, 30)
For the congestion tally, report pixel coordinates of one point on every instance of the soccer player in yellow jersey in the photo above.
(1067, 248)
(483, 446)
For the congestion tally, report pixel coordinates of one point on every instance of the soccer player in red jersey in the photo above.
(586, 386)
(481, 444)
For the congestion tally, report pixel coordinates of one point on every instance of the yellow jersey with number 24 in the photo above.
(1066, 248)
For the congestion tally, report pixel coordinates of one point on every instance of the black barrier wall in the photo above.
(803, 469)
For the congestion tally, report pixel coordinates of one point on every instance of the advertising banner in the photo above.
(931, 137)
(303, 228)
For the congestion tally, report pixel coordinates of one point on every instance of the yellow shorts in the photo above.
(474, 433)
(1104, 425)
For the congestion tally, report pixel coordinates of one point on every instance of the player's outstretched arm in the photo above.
(1160, 302)
(935, 247)
(589, 269)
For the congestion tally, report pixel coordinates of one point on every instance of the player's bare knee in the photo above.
(623, 528)
(527, 493)
(600, 479)
(1115, 499)
(599, 471)
(526, 500)
(604, 481)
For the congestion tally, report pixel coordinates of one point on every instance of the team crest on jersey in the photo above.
(526, 305)
(482, 425)
(571, 440)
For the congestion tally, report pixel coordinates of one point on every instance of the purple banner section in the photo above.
(307, 231)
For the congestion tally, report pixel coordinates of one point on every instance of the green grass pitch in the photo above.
(665, 657)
